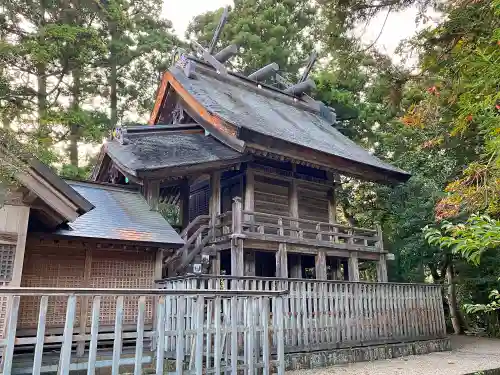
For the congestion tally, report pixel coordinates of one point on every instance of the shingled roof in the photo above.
(158, 150)
(119, 214)
(272, 113)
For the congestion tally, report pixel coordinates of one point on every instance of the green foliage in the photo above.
(470, 239)
(494, 305)
(170, 212)
(266, 31)
(70, 71)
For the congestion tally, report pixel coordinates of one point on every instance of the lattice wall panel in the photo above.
(122, 269)
(57, 267)
(3, 311)
(65, 267)
(7, 255)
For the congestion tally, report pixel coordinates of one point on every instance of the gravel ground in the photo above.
(469, 355)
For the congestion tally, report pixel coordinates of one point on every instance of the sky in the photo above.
(399, 26)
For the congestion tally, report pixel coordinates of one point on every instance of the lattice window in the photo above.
(198, 203)
(7, 255)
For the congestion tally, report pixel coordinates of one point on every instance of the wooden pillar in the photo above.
(293, 204)
(237, 240)
(216, 264)
(282, 261)
(382, 269)
(353, 267)
(184, 203)
(320, 266)
(332, 206)
(295, 266)
(345, 266)
(152, 193)
(215, 197)
(250, 190)
(13, 231)
(249, 263)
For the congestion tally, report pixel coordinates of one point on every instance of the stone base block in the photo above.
(325, 358)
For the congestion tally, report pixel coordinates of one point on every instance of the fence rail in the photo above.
(328, 314)
(194, 331)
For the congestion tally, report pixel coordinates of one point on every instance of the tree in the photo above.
(265, 30)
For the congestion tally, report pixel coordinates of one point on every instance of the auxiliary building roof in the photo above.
(166, 150)
(119, 214)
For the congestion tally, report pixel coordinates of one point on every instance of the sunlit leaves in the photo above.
(470, 239)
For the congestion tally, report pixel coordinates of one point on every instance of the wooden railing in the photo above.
(273, 226)
(330, 314)
(264, 226)
(195, 332)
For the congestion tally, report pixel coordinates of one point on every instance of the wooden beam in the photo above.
(152, 193)
(318, 159)
(53, 198)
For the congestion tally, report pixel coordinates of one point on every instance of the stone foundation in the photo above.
(325, 358)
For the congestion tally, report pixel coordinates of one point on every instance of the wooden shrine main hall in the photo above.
(253, 169)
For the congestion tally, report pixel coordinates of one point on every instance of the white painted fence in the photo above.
(194, 332)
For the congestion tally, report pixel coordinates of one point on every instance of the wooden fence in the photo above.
(330, 314)
(195, 332)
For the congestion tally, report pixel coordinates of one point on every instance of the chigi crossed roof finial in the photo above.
(217, 60)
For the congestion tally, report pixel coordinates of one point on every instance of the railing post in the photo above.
(237, 212)
(281, 254)
(382, 262)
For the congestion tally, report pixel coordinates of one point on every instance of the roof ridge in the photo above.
(104, 186)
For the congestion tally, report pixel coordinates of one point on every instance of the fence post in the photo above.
(280, 336)
(11, 334)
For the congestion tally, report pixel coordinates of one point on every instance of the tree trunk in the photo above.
(113, 75)
(452, 298)
(74, 131)
(43, 137)
(41, 94)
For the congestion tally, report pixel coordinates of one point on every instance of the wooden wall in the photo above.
(313, 202)
(271, 196)
(66, 264)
